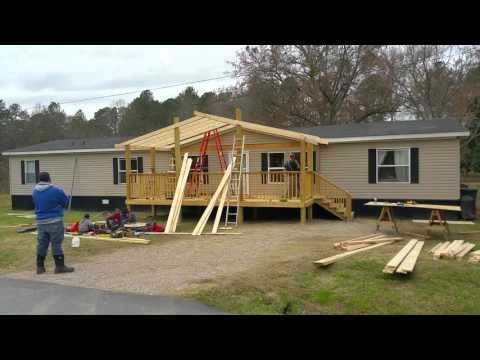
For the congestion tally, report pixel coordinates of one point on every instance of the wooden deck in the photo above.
(280, 189)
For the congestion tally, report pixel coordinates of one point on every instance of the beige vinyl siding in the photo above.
(94, 172)
(439, 169)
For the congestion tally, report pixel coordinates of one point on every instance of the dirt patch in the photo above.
(183, 264)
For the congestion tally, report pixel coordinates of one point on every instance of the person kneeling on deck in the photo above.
(86, 225)
(49, 201)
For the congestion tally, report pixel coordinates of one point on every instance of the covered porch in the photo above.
(275, 188)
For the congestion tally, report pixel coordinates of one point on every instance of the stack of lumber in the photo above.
(456, 249)
(221, 189)
(364, 241)
(405, 260)
(335, 258)
(174, 213)
(475, 258)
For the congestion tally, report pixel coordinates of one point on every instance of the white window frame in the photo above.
(274, 167)
(377, 166)
(125, 171)
(26, 172)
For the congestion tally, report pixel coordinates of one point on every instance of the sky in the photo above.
(39, 74)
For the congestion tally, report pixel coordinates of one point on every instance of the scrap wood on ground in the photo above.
(475, 258)
(456, 249)
(364, 241)
(335, 258)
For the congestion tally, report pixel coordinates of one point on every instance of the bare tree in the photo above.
(317, 84)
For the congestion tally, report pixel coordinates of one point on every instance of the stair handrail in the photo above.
(330, 182)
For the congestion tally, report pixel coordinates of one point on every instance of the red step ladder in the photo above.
(194, 177)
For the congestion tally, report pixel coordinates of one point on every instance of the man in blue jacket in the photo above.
(49, 201)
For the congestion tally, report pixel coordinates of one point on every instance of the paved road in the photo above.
(21, 297)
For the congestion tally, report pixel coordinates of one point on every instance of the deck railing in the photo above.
(325, 188)
(261, 185)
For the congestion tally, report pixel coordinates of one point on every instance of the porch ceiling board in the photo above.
(164, 131)
(293, 135)
(192, 130)
(185, 136)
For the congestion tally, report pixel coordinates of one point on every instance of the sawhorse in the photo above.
(437, 219)
(386, 215)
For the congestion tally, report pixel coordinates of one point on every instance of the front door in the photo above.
(245, 169)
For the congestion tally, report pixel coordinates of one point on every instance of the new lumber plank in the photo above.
(439, 251)
(451, 247)
(332, 259)
(451, 222)
(375, 241)
(220, 208)
(370, 238)
(432, 250)
(124, 239)
(354, 247)
(178, 190)
(393, 264)
(206, 214)
(408, 264)
(179, 204)
(456, 249)
(466, 249)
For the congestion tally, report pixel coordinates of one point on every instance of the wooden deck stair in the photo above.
(332, 197)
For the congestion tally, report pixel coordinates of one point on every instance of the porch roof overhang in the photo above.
(192, 130)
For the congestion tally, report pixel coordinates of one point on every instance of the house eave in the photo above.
(398, 137)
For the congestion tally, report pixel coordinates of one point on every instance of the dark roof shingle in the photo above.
(73, 144)
(384, 128)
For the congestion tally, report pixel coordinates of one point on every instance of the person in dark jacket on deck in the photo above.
(49, 201)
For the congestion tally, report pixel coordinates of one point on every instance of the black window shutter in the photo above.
(22, 165)
(205, 163)
(264, 167)
(414, 165)
(140, 164)
(372, 166)
(115, 171)
(314, 161)
(264, 161)
(37, 170)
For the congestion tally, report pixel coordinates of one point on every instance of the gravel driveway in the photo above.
(177, 264)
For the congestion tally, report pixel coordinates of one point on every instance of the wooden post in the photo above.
(240, 215)
(178, 156)
(152, 170)
(310, 213)
(303, 210)
(178, 160)
(238, 140)
(128, 169)
(152, 160)
(309, 170)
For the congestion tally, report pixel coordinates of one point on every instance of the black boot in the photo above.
(60, 265)
(40, 264)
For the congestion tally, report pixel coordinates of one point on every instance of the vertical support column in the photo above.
(309, 170)
(303, 210)
(178, 156)
(153, 181)
(238, 140)
(152, 160)
(128, 169)
(178, 160)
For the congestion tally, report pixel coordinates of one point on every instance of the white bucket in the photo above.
(75, 242)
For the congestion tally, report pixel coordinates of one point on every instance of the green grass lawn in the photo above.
(354, 285)
(17, 251)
